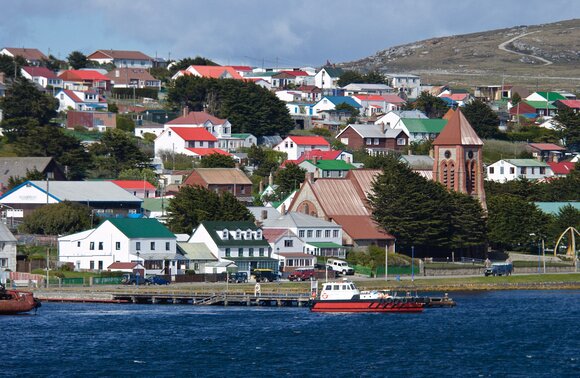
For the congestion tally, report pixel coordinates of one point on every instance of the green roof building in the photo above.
(420, 129)
(327, 168)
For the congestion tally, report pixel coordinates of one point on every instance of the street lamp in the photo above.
(412, 263)
(278, 253)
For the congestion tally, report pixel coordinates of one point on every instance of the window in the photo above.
(491, 170)
(523, 170)
(240, 252)
(542, 170)
(251, 252)
(301, 233)
(167, 245)
(309, 233)
(259, 235)
(92, 246)
(91, 265)
(532, 171)
(100, 246)
(228, 252)
(401, 142)
(286, 145)
(261, 252)
(78, 244)
(376, 141)
(501, 170)
(238, 234)
(318, 233)
(153, 246)
(368, 141)
(224, 234)
(327, 233)
(335, 233)
(288, 243)
(248, 235)
(138, 246)
(242, 189)
(100, 265)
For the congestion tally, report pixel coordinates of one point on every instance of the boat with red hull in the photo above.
(16, 301)
(345, 297)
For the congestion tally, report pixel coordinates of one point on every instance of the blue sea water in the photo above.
(505, 333)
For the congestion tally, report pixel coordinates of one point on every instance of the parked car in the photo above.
(264, 275)
(156, 280)
(238, 277)
(340, 266)
(303, 274)
(133, 279)
(499, 269)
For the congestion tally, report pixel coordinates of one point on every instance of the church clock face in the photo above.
(447, 154)
(470, 155)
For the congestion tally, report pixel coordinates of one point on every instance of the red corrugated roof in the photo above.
(196, 118)
(40, 71)
(122, 265)
(297, 73)
(574, 104)
(458, 131)
(309, 140)
(83, 75)
(208, 151)
(216, 72)
(273, 234)
(72, 95)
(134, 184)
(361, 227)
(393, 99)
(322, 155)
(27, 53)
(547, 147)
(194, 133)
(370, 97)
(456, 96)
(562, 168)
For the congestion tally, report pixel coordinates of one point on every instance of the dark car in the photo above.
(499, 269)
(156, 280)
(238, 277)
(133, 279)
(302, 275)
(264, 275)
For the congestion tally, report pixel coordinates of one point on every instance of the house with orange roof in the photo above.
(138, 188)
(294, 145)
(82, 80)
(32, 56)
(370, 104)
(231, 180)
(122, 58)
(212, 72)
(181, 140)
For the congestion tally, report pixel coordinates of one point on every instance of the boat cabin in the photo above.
(342, 290)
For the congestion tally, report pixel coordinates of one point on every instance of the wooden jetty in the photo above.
(217, 299)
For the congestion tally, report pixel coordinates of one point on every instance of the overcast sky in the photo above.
(253, 32)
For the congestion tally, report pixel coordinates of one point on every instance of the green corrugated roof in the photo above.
(141, 228)
(526, 163)
(540, 105)
(333, 165)
(551, 96)
(554, 207)
(241, 136)
(325, 245)
(418, 125)
(334, 72)
(214, 227)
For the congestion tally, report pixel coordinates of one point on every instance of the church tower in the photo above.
(458, 159)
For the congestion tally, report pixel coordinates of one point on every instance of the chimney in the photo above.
(264, 215)
(382, 127)
(185, 111)
(432, 153)
(348, 159)
(271, 179)
(283, 209)
(409, 152)
(310, 176)
(261, 186)
(117, 73)
(315, 159)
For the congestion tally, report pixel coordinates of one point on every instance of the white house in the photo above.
(513, 169)
(327, 77)
(294, 146)
(407, 85)
(144, 241)
(79, 100)
(289, 249)
(289, 96)
(122, 58)
(393, 117)
(239, 241)
(138, 188)
(42, 76)
(7, 251)
(181, 139)
(331, 102)
(362, 88)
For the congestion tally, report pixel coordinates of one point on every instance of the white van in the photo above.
(339, 266)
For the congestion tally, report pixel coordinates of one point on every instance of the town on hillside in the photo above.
(116, 162)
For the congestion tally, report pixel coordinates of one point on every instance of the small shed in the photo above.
(127, 267)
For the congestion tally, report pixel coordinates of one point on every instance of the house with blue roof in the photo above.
(331, 102)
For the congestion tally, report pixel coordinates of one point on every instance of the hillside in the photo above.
(546, 55)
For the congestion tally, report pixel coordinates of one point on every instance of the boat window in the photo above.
(352, 286)
(344, 287)
(328, 287)
(336, 287)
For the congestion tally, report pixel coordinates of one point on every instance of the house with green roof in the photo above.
(239, 241)
(142, 240)
(327, 168)
(542, 108)
(328, 77)
(419, 129)
(513, 169)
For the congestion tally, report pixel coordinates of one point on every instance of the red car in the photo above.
(302, 275)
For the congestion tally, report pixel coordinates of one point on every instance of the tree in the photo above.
(349, 77)
(186, 62)
(125, 123)
(249, 107)
(374, 77)
(23, 100)
(512, 220)
(58, 219)
(348, 108)
(467, 220)
(568, 216)
(194, 204)
(13, 182)
(11, 66)
(289, 178)
(146, 174)
(77, 60)
(432, 106)
(569, 128)
(113, 108)
(218, 161)
(516, 99)
(483, 120)
(118, 151)
(53, 63)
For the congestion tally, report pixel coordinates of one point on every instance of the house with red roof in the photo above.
(122, 58)
(91, 120)
(138, 188)
(573, 105)
(192, 141)
(32, 56)
(212, 72)
(322, 155)
(41, 76)
(546, 151)
(133, 78)
(82, 80)
(375, 139)
(461, 98)
(295, 145)
(80, 100)
(310, 93)
(562, 169)
(283, 79)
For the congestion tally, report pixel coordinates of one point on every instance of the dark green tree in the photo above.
(54, 64)
(146, 174)
(568, 216)
(569, 128)
(511, 220)
(24, 100)
(484, 121)
(432, 106)
(118, 151)
(194, 204)
(11, 66)
(125, 123)
(58, 219)
(289, 178)
(349, 77)
(516, 99)
(13, 182)
(77, 60)
(374, 77)
(218, 161)
(467, 220)
(348, 108)
(186, 62)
